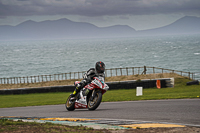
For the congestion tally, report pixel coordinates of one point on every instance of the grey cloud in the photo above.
(97, 7)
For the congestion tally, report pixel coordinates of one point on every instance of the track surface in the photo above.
(182, 111)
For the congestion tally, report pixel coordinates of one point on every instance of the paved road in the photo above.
(182, 111)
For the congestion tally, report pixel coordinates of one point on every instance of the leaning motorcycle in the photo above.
(93, 98)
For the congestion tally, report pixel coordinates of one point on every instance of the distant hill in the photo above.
(62, 29)
(185, 25)
(67, 29)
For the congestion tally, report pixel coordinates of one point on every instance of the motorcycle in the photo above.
(89, 97)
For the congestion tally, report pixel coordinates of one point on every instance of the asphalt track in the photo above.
(181, 111)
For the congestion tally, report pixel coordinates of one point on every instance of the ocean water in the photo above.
(32, 58)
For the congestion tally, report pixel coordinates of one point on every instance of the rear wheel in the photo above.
(93, 104)
(70, 104)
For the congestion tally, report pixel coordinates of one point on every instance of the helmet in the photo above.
(100, 67)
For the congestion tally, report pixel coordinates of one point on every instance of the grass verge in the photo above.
(33, 127)
(179, 91)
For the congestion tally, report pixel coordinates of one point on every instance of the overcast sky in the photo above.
(139, 14)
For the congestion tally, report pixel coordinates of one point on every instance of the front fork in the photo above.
(93, 95)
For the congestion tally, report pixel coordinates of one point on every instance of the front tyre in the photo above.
(70, 104)
(93, 104)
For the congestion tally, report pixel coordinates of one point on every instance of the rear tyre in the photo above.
(93, 104)
(70, 104)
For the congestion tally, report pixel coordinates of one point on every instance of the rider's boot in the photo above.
(79, 86)
(77, 89)
(75, 92)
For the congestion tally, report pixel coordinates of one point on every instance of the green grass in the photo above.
(32, 99)
(153, 94)
(179, 91)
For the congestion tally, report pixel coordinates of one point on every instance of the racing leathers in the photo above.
(87, 78)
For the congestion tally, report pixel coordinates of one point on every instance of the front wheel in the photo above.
(70, 104)
(93, 104)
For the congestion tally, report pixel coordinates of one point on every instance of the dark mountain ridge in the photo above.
(67, 29)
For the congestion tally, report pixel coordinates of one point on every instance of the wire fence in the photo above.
(108, 73)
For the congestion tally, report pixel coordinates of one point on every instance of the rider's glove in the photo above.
(83, 82)
(78, 85)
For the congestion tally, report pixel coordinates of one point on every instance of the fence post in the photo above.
(133, 70)
(127, 71)
(121, 71)
(111, 72)
(27, 79)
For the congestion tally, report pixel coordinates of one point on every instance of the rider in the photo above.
(98, 71)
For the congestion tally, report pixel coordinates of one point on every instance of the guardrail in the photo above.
(108, 73)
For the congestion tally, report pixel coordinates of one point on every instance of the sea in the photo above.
(42, 57)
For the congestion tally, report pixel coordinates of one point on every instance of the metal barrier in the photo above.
(108, 73)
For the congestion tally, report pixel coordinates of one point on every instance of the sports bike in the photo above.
(89, 97)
